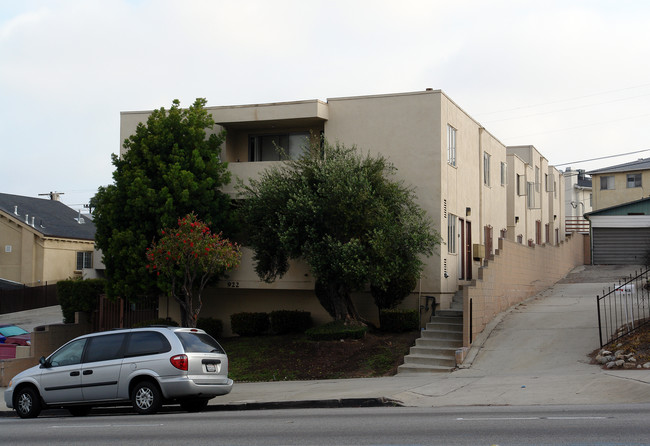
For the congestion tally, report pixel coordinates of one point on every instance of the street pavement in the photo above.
(536, 353)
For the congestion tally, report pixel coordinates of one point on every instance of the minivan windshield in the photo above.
(198, 342)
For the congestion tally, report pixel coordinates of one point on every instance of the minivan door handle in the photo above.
(74, 373)
(88, 372)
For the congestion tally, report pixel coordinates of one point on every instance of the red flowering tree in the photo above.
(186, 259)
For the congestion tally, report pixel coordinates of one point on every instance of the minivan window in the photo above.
(198, 342)
(69, 354)
(147, 343)
(104, 348)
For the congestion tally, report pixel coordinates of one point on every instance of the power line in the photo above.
(561, 100)
(602, 157)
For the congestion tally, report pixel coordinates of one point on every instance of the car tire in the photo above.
(194, 405)
(79, 411)
(146, 398)
(27, 403)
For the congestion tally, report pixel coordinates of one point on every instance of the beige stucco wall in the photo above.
(34, 258)
(517, 210)
(621, 193)
(516, 273)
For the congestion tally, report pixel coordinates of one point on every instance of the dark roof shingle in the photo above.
(51, 218)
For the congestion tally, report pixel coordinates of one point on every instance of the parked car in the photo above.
(147, 367)
(13, 334)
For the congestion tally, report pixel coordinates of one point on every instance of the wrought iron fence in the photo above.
(624, 308)
(27, 298)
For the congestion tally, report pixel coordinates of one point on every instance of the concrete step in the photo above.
(442, 335)
(439, 343)
(445, 326)
(407, 369)
(458, 312)
(431, 360)
(442, 352)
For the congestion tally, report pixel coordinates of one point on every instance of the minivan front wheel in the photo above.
(27, 403)
(146, 398)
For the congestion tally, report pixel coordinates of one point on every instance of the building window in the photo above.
(486, 168)
(277, 147)
(451, 233)
(451, 145)
(504, 174)
(84, 260)
(530, 192)
(520, 186)
(607, 182)
(633, 180)
(536, 179)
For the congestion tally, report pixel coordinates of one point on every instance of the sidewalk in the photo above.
(533, 354)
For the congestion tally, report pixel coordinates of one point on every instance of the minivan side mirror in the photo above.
(44, 362)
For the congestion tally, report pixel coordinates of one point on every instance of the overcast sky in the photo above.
(571, 78)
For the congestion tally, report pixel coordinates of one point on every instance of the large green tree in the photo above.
(171, 169)
(343, 213)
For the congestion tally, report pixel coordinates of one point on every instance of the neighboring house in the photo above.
(42, 240)
(535, 197)
(620, 184)
(620, 235)
(459, 171)
(577, 200)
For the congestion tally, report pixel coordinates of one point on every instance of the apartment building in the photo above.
(459, 170)
(535, 198)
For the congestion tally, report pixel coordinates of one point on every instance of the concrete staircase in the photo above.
(435, 350)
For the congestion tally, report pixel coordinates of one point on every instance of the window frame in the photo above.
(637, 179)
(504, 174)
(451, 145)
(486, 169)
(452, 231)
(611, 183)
(84, 259)
(256, 146)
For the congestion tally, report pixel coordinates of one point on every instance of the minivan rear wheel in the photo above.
(27, 403)
(146, 398)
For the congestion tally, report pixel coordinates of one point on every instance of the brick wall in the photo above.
(516, 273)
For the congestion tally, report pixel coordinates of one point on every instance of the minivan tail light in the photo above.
(179, 361)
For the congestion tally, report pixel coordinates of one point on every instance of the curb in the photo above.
(237, 406)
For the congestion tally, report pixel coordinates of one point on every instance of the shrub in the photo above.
(213, 327)
(159, 321)
(287, 321)
(333, 331)
(397, 321)
(249, 324)
(79, 295)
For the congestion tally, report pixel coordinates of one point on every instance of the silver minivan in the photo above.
(147, 367)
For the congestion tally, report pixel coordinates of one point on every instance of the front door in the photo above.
(468, 251)
(61, 379)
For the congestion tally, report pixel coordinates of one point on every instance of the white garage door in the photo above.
(620, 246)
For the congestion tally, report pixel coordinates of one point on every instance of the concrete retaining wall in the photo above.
(44, 342)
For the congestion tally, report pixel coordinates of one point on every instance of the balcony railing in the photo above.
(577, 224)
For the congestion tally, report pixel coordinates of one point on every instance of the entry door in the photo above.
(61, 380)
(463, 250)
(468, 251)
